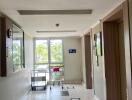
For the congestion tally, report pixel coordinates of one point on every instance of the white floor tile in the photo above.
(54, 94)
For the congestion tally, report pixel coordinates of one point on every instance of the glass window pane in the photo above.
(41, 51)
(17, 48)
(56, 52)
(17, 54)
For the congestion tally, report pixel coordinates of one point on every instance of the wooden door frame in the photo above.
(124, 8)
(130, 23)
(88, 60)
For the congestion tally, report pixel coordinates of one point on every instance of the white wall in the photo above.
(72, 62)
(83, 61)
(28, 51)
(16, 85)
(98, 71)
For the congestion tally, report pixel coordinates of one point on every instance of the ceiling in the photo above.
(33, 23)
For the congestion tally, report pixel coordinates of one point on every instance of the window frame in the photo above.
(49, 51)
(62, 53)
(21, 55)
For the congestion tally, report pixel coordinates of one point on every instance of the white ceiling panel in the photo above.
(33, 23)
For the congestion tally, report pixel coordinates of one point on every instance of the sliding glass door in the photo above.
(48, 55)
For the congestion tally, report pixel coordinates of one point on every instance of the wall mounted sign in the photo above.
(72, 50)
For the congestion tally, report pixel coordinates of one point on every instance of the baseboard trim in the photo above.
(72, 82)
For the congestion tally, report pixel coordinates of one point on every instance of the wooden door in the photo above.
(88, 62)
(114, 55)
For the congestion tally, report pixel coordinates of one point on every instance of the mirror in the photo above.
(18, 48)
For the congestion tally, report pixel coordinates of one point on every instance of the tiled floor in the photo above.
(77, 92)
